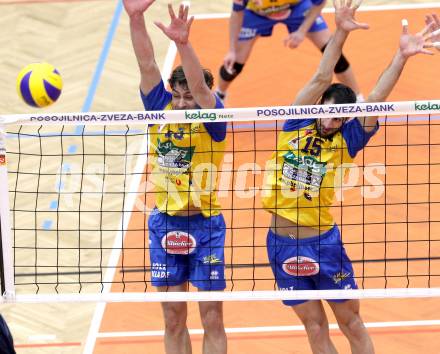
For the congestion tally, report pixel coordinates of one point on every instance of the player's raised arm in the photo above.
(410, 45)
(143, 48)
(178, 31)
(345, 23)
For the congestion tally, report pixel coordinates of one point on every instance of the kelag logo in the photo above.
(426, 106)
(200, 115)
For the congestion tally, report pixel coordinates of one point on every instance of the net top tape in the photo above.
(402, 108)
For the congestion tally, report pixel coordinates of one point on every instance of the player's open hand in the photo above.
(344, 15)
(294, 39)
(434, 36)
(179, 28)
(412, 44)
(134, 7)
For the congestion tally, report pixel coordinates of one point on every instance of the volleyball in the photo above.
(39, 84)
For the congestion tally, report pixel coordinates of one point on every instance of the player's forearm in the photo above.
(235, 23)
(388, 79)
(332, 54)
(310, 18)
(383, 88)
(324, 75)
(194, 76)
(143, 49)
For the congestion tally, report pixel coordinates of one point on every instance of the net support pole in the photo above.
(6, 250)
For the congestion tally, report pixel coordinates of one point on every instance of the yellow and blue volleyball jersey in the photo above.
(300, 183)
(269, 7)
(185, 159)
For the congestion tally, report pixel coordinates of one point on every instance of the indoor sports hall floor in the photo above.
(397, 326)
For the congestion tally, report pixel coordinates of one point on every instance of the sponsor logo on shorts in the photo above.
(178, 242)
(280, 14)
(247, 33)
(301, 266)
(319, 20)
(211, 259)
(215, 275)
(287, 289)
(340, 277)
(159, 271)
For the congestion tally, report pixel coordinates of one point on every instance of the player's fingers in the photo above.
(405, 26)
(427, 29)
(362, 25)
(185, 13)
(181, 11)
(190, 22)
(428, 19)
(435, 45)
(349, 3)
(161, 26)
(436, 19)
(293, 43)
(425, 51)
(357, 4)
(229, 65)
(171, 11)
(434, 33)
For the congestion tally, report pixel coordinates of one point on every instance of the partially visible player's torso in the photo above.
(274, 9)
(185, 164)
(301, 182)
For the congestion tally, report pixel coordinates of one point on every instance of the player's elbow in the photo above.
(203, 97)
(147, 67)
(199, 89)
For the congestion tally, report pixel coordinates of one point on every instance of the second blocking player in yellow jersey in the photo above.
(304, 244)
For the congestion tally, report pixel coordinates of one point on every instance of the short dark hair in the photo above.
(178, 77)
(340, 94)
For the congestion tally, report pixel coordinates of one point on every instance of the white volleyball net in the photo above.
(75, 222)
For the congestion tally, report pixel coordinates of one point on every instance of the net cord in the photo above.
(7, 269)
(401, 108)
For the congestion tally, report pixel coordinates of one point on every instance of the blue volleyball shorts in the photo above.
(255, 25)
(314, 263)
(187, 248)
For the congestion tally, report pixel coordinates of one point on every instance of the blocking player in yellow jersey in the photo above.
(304, 244)
(252, 19)
(186, 229)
